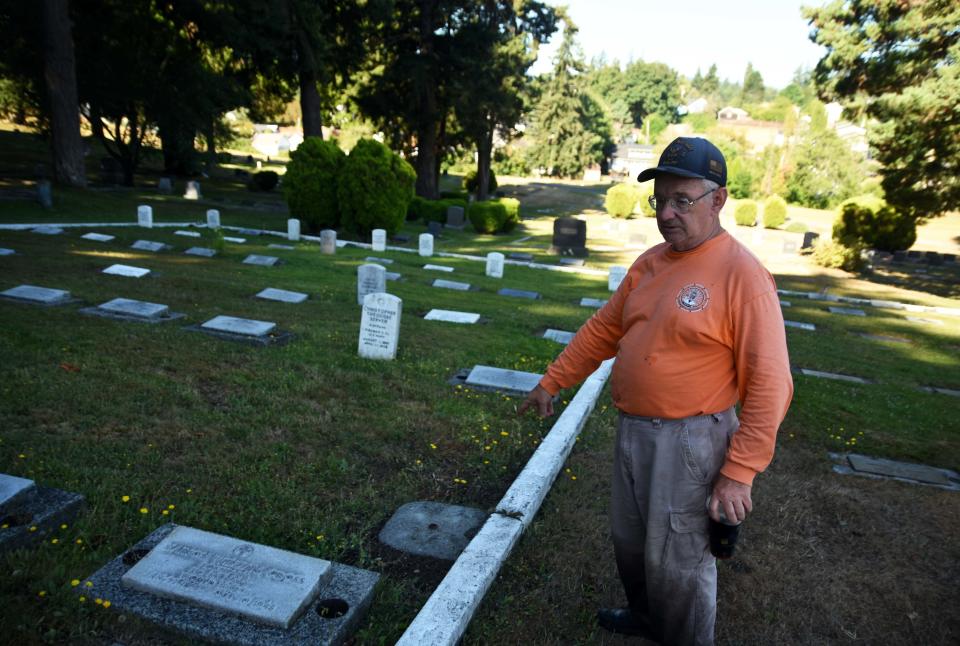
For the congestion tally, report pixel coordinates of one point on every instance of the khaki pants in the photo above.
(663, 472)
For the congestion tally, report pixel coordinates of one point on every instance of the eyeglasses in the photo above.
(679, 204)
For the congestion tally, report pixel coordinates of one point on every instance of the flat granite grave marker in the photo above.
(126, 270)
(380, 326)
(48, 230)
(39, 295)
(392, 275)
(285, 247)
(31, 513)
(14, 491)
(849, 311)
(452, 316)
(451, 284)
(801, 326)
(6, 252)
(940, 391)
(513, 382)
(592, 302)
(240, 326)
(882, 337)
(264, 584)
(149, 245)
(134, 308)
(239, 240)
(206, 252)
(213, 219)
(615, 276)
(281, 295)
(97, 237)
(523, 257)
(571, 262)
(430, 267)
(904, 470)
(833, 375)
(427, 528)
(378, 240)
(293, 230)
(569, 237)
(371, 279)
(187, 234)
(145, 216)
(425, 248)
(518, 293)
(559, 336)
(262, 261)
(328, 241)
(785, 304)
(378, 260)
(495, 264)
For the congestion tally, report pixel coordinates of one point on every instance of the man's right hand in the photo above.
(539, 399)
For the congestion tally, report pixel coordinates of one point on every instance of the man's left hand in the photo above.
(734, 496)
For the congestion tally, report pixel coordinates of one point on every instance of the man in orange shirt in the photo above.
(695, 327)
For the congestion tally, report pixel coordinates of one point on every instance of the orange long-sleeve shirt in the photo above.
(693, 332)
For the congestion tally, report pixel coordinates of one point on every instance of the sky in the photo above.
(687, 34)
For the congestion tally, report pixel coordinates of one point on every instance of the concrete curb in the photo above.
(446, 614)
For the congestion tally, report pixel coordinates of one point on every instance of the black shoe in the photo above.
(625, 621)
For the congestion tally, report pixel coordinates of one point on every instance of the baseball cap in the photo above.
(690, 157)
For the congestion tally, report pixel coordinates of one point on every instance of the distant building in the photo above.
(698, 106)
(731, 113)
(834, 110)
(855, 136)
(631, 159)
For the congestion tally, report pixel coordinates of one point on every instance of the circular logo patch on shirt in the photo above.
(693, 298)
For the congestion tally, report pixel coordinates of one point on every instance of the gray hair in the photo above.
(710, 185)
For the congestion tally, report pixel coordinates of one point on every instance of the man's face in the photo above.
(684, 231)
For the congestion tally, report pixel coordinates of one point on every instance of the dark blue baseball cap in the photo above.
(690, 157)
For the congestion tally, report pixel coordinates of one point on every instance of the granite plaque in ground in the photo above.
(833, 375)
(569, 237)
(430, 267)
(274, 245)
(30, 513)
(97, 237)
(518, 293)
(145, 216)
(940, 391)
(243, 240)
(571, 262)
(6, 252)
(451, 284)
(379, 261)
(371, 279)
(849, 311)
(513, 382)
(262, 261)
(48, 230)
(592, 302)
(391, 275)
(903, 470)
(15, 491)
(38, 295)
(149, 245)
(427, 528)
(127, 309)
(187, 234)
(126, 270)
(293, 229)
(378, 240)
(451, 316)
(494, 264)
(425, 248)
(525, 257)
(559, 336)
(329, 619)
(243, 327)
(883, 337)
(800, 325)
(615, 276)
(281, 295)
(380, 326)
(328, 241)
(205, 252)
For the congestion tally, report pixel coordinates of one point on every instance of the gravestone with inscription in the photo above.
(380, 326)
(205, 252)
(145, 216)
(378, 240)
(213, 219)
(37, 295)
(126, 270)
(240, 326)
(455, 218)
(262, 261)
(293, 229)
(328, 241)
(451, 284)
(97, 237)
(515, 382)
(518, 293)
(560, 336)
(371, 279)
(569, 237)
(149, 245)
(615, 277)
(31, 513)
(127, 309)
(426, 245)
(451, 316)
(495, 264)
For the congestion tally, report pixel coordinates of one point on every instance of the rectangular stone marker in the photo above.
(371, 279)
(193, 191)
(281, 295)
(263, 261)
(426, 245)
(206, 252)
(213, 219)
(520, 256)
(35, 294)
(380, 326)
(274, 245)
(187, 234)
(126, 270)
(785, 304)
(293, 229)
(451, 316)
(437, 268)
(849, 311)
(451, 284)
(97, 237)
(264, 584)
(434, 228)
(48, 230)
(145, 216)
(833, 375)
(501, 379)
(559, 336)
(592, 302)
(615, 277)
(571, 262)
(518, 293)
(148, 245)
(894, 469)
(799, 325)
(234, 325)
(495, 264)
(379, 261)
(455, 217)
(6, 252)
(236, 240)
(392, 275)
(130, 307)
(569, 237)
(917, 319)
(328, 241)
(13, 490)
(165, 185)
(378, 240)
(809, 240)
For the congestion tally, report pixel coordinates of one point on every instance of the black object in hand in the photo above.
(723, 539)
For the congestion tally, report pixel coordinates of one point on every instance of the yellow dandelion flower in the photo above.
(171, 506)
(504, 434)
(486, 448)
(42, 593)
(319, 537)
(165, 513)
(432, 445)
(82, 598)
(54, 541)
(98, 601)
(486, 461)
(106, 603)
(573, 477)
(125, 498)
(88, 584)
(5, 526)
(419, 462)
(22, 456)
(63, 526)
(33, 528)
(79, 541)
(144, 510)
(75, 582)
(189, 490)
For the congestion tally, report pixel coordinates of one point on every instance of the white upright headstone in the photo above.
(379, 239)
(145, 216)
(293, 229)
(213, 219)
(495, 264)
(380, 326)
(615, 277)
(328, 241)
(193, 190)
(426, 244)
(371, 279)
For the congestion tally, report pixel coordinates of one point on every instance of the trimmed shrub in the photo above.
(774, 212)
(432, 210)
(470, 181)
(512, 219)
(375, 189)
(644, 200)
(621, 200)
(463, 196)
(797, 227)
(869, 220)
(487, 216)
(265, 180)
(310, 184)
(833, 254)
(746, 213)
(417, 207)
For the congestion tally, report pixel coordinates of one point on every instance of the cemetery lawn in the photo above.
(306, 447)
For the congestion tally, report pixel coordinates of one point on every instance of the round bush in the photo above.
(774, 212)
(746, 213)
(511, 214)
(486, 217)
(263, 181)
(375, 188)
(830, 253)
(644, 200)
(797, 227)
(621, 200)
(471, 184)
(869, 220)
(310, 184)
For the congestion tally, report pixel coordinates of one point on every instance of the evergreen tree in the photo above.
(711, 83)
(752, 86)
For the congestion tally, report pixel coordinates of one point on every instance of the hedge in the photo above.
(310, 184)
(746, 213)
(374, 189)
(621, 200)
(869, 220)
(494, 216)
(774, 212)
